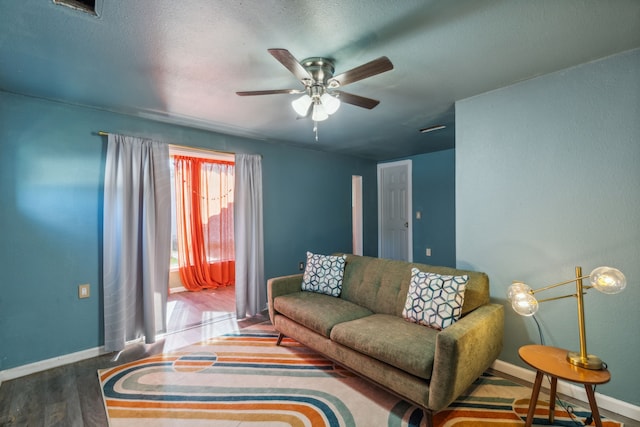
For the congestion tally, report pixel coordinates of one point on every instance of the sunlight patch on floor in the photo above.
(208, 316)
(171, 305)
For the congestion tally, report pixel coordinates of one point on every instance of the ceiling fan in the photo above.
(321, 94)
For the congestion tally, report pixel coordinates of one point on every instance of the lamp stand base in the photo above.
(589, 362)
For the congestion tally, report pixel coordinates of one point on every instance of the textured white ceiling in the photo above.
(183, 61)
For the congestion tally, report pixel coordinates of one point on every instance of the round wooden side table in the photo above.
(552, 361)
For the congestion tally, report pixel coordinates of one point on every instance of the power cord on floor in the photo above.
(568, 408)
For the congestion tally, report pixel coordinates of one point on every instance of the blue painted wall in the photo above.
(548, 178)
(51, 178)
(434, 196)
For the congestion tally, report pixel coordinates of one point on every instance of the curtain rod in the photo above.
(103, 133)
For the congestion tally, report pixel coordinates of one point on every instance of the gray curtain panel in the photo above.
(136, 240)
(251, 291)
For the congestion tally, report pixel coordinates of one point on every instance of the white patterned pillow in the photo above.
(434, 300)
(323, 274)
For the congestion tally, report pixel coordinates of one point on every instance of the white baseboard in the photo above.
(177, 289)
(572, 390)
(54, 362)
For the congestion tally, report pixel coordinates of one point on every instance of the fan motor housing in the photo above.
(321, 69)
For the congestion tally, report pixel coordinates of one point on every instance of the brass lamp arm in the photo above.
(533, 291)
(562, 297)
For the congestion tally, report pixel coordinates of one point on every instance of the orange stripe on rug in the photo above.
(291, 420)
(478, 414)
(271, 360)
(143, 409)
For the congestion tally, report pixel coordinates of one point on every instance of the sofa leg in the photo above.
(428, 418)
(280, 336)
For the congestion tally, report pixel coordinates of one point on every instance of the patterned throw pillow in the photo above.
(434, 300)
(323, 274)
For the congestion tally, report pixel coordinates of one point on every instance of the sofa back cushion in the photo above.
(381, 285)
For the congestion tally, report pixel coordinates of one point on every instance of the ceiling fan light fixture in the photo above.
(320, 84)
(301, 105)
(319, 112)
(330, 103)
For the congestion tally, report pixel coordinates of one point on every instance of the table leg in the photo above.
(552, 399)
(534, 398)
(592, 403)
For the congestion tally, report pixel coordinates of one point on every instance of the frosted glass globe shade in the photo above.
(608, 280)
(525, 304)
(301, 105)
(319, 113)
(517, 288)
(330, 103)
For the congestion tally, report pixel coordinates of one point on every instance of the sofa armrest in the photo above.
(464, 351)
(281, 286)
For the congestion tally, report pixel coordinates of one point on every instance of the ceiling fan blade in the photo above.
(269, 92)
(291, 63)
(369, 69)
(357, 100)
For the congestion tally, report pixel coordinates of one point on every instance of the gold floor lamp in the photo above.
(607, 280)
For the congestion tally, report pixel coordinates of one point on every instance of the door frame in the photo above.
(381, 167)
(356, 214)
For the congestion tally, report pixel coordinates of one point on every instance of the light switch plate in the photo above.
(84, 291)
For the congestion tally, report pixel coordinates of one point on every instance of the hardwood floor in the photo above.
(69, 396)
(187, 309)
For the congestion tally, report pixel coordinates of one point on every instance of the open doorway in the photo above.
(202, 272)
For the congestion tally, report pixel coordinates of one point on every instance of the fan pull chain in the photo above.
(315, 129)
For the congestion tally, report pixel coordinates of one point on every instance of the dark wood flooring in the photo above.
(70, 396)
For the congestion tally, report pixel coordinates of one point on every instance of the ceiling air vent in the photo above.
(88, 6)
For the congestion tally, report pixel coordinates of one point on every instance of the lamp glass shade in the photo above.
(301, 105)
(319, 113)
(524, 304)
(517, 288)
(330, 103)
(608, 280)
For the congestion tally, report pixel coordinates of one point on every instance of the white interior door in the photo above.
(394, 211)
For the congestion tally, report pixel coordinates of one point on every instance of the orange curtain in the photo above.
(204, 219)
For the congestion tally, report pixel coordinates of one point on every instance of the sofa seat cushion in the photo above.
(390, 339)
(318, 312)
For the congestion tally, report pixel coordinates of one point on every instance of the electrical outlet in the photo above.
(301, 266)
(84, 291)
(428, 252)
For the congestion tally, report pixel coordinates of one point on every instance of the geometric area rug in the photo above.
(244, 379)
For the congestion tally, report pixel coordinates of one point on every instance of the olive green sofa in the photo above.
(363, 330)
